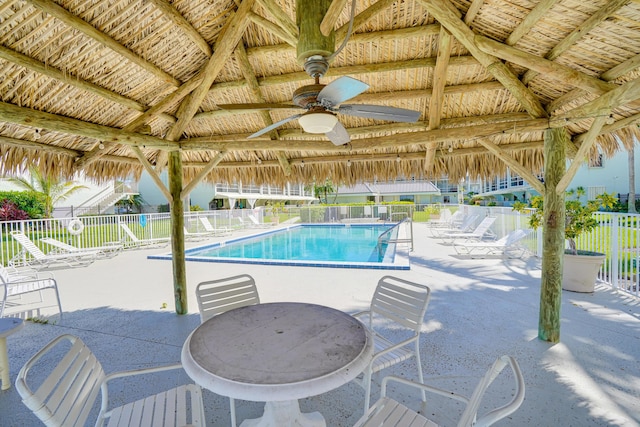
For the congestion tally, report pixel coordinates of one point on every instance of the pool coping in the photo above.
(400, 257)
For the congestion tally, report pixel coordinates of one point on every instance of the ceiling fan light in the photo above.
(318, 122)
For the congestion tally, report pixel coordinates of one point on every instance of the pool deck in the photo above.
(480, 308)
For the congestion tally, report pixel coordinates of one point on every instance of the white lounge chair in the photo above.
(75, 378)
(445, 219)
(23, 292)
(501, 246)
(401, 304)
(483, 230)
(106, 251)
(32, 256)
(256, 222)
(209, 228)
(387, 412)
(220, 295)
(134, 242)
(465, 225)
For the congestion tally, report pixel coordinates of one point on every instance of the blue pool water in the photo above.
(342, 245)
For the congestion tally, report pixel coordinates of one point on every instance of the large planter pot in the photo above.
(580, 271)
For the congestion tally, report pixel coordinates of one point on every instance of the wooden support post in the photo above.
(552, 235)
(177, 233)
(309, 16)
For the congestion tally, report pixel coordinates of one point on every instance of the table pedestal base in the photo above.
(285, 414)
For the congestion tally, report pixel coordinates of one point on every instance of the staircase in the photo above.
(99, 203)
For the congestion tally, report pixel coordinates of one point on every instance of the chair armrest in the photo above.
(425, 387)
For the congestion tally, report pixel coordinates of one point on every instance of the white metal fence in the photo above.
(618, 235)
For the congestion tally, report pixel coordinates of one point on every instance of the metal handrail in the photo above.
(389, 231)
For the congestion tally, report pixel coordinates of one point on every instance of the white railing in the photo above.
(618, 235)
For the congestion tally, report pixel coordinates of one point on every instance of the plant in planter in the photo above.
(580, 267)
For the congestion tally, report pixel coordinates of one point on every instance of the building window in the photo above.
(597, 162)
(593, 192)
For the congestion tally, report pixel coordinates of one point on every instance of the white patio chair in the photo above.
(134, 241)
(482, 230)
(403, 304)
(388, 412)
(220, 295)
(23, 292)
(33, 257)
(107, 251)
(501, 246)
(444, 220)
(75, 380)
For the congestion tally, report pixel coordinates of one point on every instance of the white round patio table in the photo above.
(278, 353)
(8, 325)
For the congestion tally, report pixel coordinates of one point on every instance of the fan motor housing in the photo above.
(305, 95)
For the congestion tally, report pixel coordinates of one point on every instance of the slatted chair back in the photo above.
(403, 303)
(28, 245)
(75, 378)
(66, 396)
(217, 296)
(400, 301)
(206, 224)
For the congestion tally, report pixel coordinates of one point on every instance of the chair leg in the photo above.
(232, 403)
(420, 376)
(366, 378)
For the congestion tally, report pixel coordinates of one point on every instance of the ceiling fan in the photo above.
(324, 102)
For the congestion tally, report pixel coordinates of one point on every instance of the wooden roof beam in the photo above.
(449, 17)
(53, 9)
(390, 141)
(562, 73)
(172, 14)
(250, 76)
(224, 47)
(57, 123)
(601, 106)
(331, 17)
(274, 29)
(513, 164)
(38, 146)
(437, 92)
(529, 22)
(580, 31)
(473, 10)
(362, 18)
(280, 17)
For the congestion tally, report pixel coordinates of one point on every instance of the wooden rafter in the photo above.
(331, 17)
(87, 29)
(449, 17)
(437, 91)
(604, 13)
(530, 21)
(179, 21)
(280, 17)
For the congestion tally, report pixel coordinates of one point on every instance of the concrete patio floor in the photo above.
(123, 309)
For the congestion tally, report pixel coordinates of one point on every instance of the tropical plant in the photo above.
(133, 203)
(51, 188)
(9, 211)
(578, 216)
(322, 191)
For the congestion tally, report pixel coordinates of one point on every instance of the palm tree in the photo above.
(324, 190)
(52, 189)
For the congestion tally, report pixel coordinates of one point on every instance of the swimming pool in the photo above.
(311, 245)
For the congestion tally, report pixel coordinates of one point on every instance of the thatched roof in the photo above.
(112, 87)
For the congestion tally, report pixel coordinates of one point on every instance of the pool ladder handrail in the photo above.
(388, 233)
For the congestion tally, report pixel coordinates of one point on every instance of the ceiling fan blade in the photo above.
(273, 126)
(341, 89)
(259, 106)
(338, 135)
(380, 112)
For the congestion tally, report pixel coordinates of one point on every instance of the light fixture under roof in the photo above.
(321, 122)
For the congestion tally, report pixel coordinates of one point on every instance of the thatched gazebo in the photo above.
(112, 88)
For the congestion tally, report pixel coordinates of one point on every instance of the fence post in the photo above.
(615, 261)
